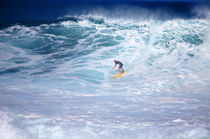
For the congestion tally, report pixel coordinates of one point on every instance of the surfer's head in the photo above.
(115, 60)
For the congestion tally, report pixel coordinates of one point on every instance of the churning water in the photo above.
(56, 79)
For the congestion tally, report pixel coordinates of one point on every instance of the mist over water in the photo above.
(56, 78)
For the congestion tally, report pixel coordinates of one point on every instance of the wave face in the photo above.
(55, 79)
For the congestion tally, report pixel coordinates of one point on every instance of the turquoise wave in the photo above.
(56, 79)
(87, 46)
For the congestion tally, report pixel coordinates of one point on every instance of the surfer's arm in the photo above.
(114, 66)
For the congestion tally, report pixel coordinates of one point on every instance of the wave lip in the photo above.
(26, 13)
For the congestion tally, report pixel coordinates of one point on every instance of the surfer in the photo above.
(120, 66)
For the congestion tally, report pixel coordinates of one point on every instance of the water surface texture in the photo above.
(56, 77)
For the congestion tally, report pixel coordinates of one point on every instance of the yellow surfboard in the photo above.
(119, 74)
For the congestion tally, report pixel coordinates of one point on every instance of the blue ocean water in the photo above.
(56, 75)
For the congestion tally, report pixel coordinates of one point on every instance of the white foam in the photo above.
(68, 23)
(178, 120)
(8, 130)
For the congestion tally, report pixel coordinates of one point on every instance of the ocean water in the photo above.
(56, 78)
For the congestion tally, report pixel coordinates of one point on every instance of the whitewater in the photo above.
(56, 79)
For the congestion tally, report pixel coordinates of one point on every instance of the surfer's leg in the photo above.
(122, 70)
(121, 65)
(119, 70)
